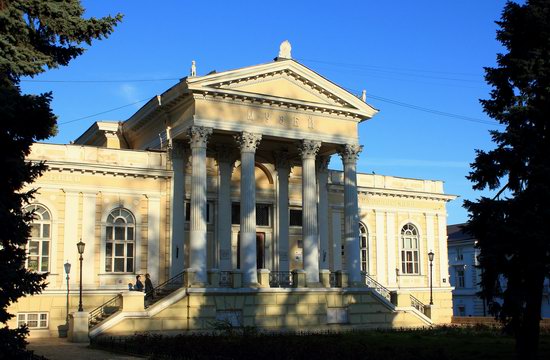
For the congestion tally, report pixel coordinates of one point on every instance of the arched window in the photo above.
(409, 249)
(120, 241)
(38, 247)
(364, 247)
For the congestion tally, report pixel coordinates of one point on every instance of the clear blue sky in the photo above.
(428, 54)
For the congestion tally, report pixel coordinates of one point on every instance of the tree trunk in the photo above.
(527, 339)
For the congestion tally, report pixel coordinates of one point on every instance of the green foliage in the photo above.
(510, 227)
(439, 343)
(34, 35)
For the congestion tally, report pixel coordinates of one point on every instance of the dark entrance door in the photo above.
(260, 250)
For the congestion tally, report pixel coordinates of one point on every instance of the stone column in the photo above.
(322, 178)
(225, 165)
(350, 154)
(283, 172)
(198, 137)
(310, 232)
(248, 143)
(177, 216)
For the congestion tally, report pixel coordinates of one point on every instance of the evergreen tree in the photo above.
(34, 35)
(511, 227)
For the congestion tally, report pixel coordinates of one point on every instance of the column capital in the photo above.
(178, 149)
(322, 163)
(309, 148)
(350, 152)
(198, 136)
(248, 142)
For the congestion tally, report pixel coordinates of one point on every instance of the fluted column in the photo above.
(179, 157)
(350, 154)
(283, 172)
(322, 179)
(226, 160)
(248, 143)
(198, 137)
(310, 233)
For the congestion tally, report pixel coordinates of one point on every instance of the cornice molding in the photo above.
(93, 169)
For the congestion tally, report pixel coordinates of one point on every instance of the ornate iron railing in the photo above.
(282, 279)
(226, 279)
(333, 280)
(111, 306)
(105, 310)
(371, 283)
(418, 305)
(164, 289)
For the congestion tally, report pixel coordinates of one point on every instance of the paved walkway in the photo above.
(60, 349)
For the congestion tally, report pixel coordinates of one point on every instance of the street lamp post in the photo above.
(431, 258)
(67, 266)
(80, 246)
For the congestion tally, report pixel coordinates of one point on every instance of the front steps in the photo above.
(203, 309)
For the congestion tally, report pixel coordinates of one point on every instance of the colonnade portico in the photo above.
(314, 181)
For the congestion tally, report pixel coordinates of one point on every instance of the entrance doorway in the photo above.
(260, 250)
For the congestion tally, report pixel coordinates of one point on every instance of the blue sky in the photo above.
(406, 54)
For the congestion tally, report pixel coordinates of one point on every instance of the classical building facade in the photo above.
(220, 190)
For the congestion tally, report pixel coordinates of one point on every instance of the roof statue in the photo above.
(284, 50)
(193, 69)
(364, 95)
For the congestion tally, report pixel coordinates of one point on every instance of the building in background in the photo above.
(465, 276)
(220, 190)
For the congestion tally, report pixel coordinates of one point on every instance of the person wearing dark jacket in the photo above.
(139, 285)
(149, 290)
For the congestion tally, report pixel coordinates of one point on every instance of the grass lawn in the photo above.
(438, 343)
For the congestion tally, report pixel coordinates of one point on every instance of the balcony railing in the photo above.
(281, 279)
(371, 283)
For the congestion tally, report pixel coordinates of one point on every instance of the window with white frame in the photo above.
(33, 320)
(38, 246)
(409, 250)
(120, 241)
(364, 247)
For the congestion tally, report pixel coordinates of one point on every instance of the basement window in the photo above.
(33, 320)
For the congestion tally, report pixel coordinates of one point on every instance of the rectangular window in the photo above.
(459, 254)
(409, 262)
(295, 217)
(33, 320)
(208, 212)
(263, 214)
(460, 278)
(38, 254)
(235, 213)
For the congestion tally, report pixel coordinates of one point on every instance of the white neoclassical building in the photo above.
(219, 188)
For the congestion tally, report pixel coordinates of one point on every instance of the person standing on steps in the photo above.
(149, 290)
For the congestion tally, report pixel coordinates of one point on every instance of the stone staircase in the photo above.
(114, 305)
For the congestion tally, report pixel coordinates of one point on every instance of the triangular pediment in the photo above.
(285, 81)
(284, 85)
